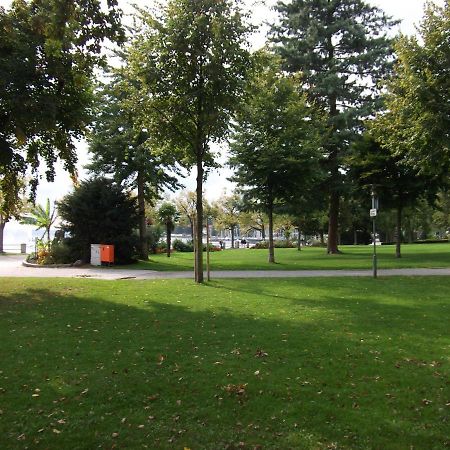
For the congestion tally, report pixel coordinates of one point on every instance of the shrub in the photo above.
(276, 244)
(154, 234)
(181, 246)
(98, 211)
(60, 253)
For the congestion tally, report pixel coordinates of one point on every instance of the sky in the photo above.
(408, 11)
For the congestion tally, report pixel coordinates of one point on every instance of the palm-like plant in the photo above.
(168, 215)
(42, 217)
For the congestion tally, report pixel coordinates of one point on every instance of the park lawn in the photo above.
(309, 258)
(253, 364)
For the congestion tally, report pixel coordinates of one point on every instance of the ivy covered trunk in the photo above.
(199, 224)
(2, 229)
(143, 246)
(398, 237)
(332, 246)
(271, 247)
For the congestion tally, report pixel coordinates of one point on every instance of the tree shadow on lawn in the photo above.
(208, 372)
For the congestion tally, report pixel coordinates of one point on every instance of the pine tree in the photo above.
(341, 48)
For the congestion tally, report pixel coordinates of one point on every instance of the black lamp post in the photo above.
(373, 214)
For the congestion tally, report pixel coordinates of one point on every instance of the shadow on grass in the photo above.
(221, 366)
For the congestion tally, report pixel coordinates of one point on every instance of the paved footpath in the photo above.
(11, 266)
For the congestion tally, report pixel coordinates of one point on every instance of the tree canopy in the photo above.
(194, 81)
(343, 52)
(49, 50)
(276, 145)
(417, 118)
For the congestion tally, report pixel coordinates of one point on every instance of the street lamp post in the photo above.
(373, 214)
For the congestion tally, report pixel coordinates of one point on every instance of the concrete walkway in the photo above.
(11, 266)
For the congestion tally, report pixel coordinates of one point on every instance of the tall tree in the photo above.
(228, 208)
(185, 203)
(194, 81)
(49, 50)
(122, 148)
(168, 215)
(397, 184)
(417, 117)
(276, 144)
(341, 48)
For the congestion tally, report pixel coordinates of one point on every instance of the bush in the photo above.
(60, 253)
(98, 211)
(154, 234)
(276, 244)
(181, 246)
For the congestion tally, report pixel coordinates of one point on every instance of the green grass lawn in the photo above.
(262, 364)
(353, 257)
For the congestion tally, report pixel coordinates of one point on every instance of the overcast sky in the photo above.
(408, 11)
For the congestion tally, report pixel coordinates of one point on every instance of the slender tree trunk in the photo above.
(398, 240)
(169, 238)
(299, 244)
(355, 237)
(143, 246)
(271, 248)
(333, 224)
(194, 240)
(232, 236)
(199, 221)
(322, 238)
(263, 233)
(2, 229)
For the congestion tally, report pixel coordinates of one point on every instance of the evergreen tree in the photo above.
(98, 211)
(122, 148)
(341, 48)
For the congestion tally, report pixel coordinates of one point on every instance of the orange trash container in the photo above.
(107, 254)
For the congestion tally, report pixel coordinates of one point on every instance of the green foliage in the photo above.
(99, 212)
(43, 217)
(181, 246)
(153, 235)
(276, 244)
(417, 104)
(192, 82)
(61, 253)
(341, 49)
(49, 50)
(120, 146)
(276, 145)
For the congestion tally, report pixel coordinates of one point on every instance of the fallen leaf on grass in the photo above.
(261, 353)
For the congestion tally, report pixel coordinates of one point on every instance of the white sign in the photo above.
(373, 213)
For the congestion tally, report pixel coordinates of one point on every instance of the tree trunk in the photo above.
(143, 247)
(2, 229)
(168, 238)
(299, 244)
(199, 227)
(322, 238)
(263, 233)
(398, 238)
(232, 236)
(271, 248)
(333, 224)
(355, 237)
